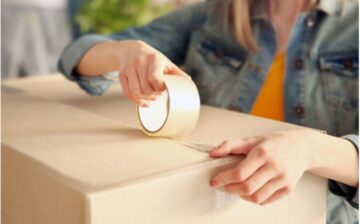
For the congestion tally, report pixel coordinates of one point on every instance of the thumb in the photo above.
(175, 70)
(239, 146)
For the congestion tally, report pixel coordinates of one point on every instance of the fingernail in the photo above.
(214, 183)
(214, 150)
(143, 104)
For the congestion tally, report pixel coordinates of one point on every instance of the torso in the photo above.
(321, 79)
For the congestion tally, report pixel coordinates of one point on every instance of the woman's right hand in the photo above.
(141, 67)
(141, 70)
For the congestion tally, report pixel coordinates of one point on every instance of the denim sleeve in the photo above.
(351, 194)
(168, 34)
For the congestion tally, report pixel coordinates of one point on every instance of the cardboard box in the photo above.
(209, 131)
(71, 158)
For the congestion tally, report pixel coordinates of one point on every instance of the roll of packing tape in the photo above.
(175, 112)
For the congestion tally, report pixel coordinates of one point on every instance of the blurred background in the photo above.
(34, 32)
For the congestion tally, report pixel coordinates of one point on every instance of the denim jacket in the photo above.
(321, 74)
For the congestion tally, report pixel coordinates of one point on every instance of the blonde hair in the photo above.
(241, 23)
(236, 16)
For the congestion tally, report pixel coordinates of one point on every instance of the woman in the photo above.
(294, 60)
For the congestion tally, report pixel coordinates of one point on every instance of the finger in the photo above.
(143, 103)
(151, 97)
(125, 86)
(157, 93)
(239, 174)
(246, 198)
(266, 191)
(134, 85)
(239, 146)
(172, 69)
(253, 183)
(277, 196)
(142, 73)
(274, 185)
(155, 73)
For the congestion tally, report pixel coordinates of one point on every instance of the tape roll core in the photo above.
(175, 112)
(154, 117)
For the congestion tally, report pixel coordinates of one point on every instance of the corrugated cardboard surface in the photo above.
(32, 193)
(214, 125)
(72, 158)
(85, 148)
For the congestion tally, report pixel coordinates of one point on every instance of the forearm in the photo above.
(85, 59)
(99, 59)
(334, 158)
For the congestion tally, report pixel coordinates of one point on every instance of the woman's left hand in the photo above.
(273, 165)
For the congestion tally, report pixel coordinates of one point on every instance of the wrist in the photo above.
(120, 50)
(98, 60)
(333, 158)
(321, 146)
(308, 142)
(111, 50)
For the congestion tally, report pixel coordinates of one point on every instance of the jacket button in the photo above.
(219, 53)
(299, 111)
(310, 21)
(299, 64)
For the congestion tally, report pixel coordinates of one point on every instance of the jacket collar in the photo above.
(335, 7)
(331, 7)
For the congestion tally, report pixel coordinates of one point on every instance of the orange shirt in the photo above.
(270, 100)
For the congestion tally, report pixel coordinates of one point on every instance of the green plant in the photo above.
(108, 16)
